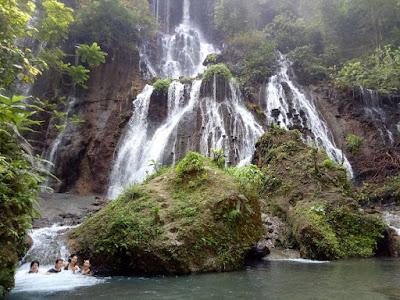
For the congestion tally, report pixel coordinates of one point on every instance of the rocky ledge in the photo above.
(65, 209)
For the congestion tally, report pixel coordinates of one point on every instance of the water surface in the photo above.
(345, 279)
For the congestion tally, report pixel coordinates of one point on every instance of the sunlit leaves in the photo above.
(56, 23)
(380, 71)
(91, 54)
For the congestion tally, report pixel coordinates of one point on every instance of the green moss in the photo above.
(219, 70)
(161, 86)
(211, 59)
(332, 231)
(185, 80)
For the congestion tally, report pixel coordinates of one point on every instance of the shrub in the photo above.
(161, 86)
(218, 157)
(329, 164)
(354, 143)
(379, 71)
(211, 59)
(219, 70)
(191, 163)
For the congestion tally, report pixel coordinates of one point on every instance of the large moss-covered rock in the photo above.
(196, 220)
(312, 194)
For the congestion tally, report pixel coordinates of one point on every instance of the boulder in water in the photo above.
(176, 223)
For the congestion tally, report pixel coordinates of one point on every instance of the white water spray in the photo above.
(48, 244)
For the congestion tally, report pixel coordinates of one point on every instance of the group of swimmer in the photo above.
(71, 265)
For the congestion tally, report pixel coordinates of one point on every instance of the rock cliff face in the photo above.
(84, 156)
(369, 115)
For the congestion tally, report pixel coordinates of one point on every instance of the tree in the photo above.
(16, 63)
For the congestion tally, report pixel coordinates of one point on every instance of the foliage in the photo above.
(380, 71)
(218, 157)
(16, 63)
(335, 231)
(161, 86)
(20, 176)
(211, 59)
(354, 143)
(219, 71)
(114, 24)
(308, 65)
(317, 34)
(329, 164)
(193, 162)
(249, 177)
(54, 26)
(91, 54)
(288, 31)
(253, 54)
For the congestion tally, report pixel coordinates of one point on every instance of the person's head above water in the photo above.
(59, 264)
(86, 264)
(34, 266)
(73, 258)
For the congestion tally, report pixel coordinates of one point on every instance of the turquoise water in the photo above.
(345, 279)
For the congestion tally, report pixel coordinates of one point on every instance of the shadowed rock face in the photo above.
(84, 156)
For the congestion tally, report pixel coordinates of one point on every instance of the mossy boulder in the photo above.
(194, 220)
(314, 196)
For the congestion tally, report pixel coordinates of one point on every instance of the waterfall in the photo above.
(287, 106)
(193, 123)
(373, 110)
(392, 220)
(180, 53)
(48, 244)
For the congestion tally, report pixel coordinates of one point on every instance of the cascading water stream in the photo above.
(392, 220)
(181, 53)
(224, 123)
(287, 106)
(373, 110)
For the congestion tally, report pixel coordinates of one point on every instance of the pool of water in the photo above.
(275, 279)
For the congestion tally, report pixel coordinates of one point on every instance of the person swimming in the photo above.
(34, 267)
(86, 270)
(57, 268)
(72, 263)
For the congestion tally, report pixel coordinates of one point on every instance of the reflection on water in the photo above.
(346, 279)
